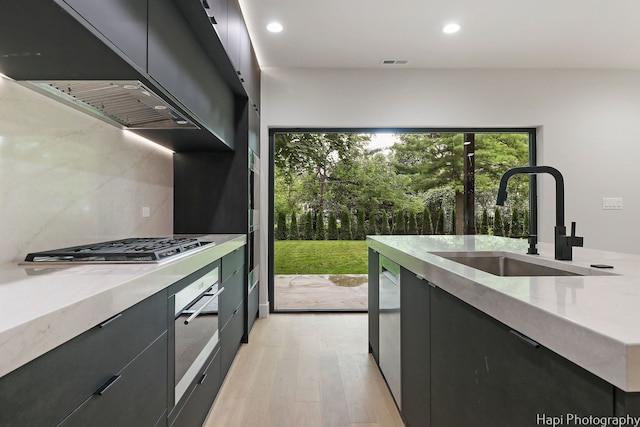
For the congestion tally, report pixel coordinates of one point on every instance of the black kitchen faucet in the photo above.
(563, 244)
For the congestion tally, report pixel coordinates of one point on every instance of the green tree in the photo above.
(281, 231)
(516, 224)
(525, 223)
(440, 223)
(506, 226)
(314, 157)
(384, 229)
(427, 224)
(293, 228)
(308, 226)
(399, 226)
(345, 225)
(453, 221)
(412, 226)
(360, 230)
(321, 233)
(484, 222)
(498, 225)
(372, 229)
(332, 229)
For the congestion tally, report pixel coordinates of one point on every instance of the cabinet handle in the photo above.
(235, 312)
(109, 320)
(198, 311)
(525, 338)
(102, 390)
(202, 378)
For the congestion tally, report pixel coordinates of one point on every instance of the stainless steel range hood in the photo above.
(127, 103)
(146, 73)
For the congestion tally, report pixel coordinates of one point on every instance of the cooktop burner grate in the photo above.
(148, 249)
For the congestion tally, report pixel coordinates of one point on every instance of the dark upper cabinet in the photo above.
(129, 36)
(254, 131)
(217, 12)
(254, 92)
(235, 30)
(220, 27)
(180, 65)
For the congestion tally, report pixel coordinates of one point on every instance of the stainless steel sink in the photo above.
(508, 264)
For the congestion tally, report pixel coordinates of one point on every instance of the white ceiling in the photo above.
(494, 34)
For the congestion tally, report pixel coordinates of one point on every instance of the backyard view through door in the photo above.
(332, 189)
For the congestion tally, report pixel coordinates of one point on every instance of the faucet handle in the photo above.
(575, 240)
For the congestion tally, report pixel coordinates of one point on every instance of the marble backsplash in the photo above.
(67, 178)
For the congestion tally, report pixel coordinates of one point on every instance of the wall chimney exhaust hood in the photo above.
(128, 103)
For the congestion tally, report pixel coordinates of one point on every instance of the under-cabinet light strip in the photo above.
(148, 142)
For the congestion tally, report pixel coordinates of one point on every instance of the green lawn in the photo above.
(320, 257)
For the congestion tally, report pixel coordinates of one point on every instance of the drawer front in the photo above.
(231, 297)
(202, 394)
(230, 339)
(253, 305)
(48, 388)
(136, 396)
(232, 262)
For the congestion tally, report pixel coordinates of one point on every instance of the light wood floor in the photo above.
(305, 370)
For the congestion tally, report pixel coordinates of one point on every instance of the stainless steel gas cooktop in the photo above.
(134, 250)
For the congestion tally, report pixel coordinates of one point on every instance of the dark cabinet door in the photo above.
(217, 12)
(194, 411)
(47, 389)
(374, 306)
(136, 396)
(253, 305)
(415, 351)
(230, 339)
(484, 374)
(235, 28)
(122, 22)
(254, 90)
(232, 295)
(179, 63)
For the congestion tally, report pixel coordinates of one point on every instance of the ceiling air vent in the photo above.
(394, 62)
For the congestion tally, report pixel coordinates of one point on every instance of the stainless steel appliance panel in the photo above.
(389, 317)
(196, 329)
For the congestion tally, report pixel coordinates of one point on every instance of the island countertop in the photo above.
(43, 306)
(593, 321)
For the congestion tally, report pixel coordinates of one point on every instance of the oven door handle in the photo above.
(198, 311)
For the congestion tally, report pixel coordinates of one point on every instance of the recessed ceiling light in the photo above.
(451, 28)
(159, 107)
(274, 27)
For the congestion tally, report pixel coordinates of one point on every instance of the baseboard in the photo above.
(263, 310)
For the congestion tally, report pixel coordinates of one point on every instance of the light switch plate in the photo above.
(614, 203)
(146, 212)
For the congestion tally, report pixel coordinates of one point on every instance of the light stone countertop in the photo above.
(43, 306)
(593, 321)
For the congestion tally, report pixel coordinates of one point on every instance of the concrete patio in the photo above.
(321, 292)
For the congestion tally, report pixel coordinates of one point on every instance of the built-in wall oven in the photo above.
(196, 328)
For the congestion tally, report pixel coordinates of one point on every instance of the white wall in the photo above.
(588, 126)
(67, 178)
